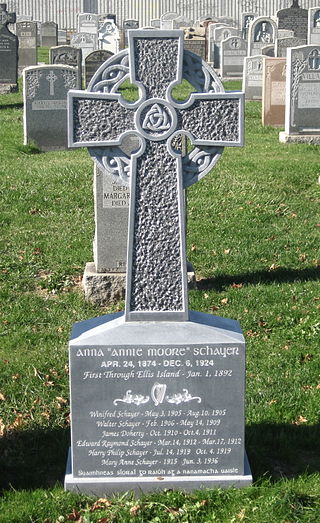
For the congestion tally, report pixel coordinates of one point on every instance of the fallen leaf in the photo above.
(252, 334)
(274, 267)
(74, 516)
(37, 251)
(227, 251)
(262, 323)
(300, 420)
(272, 402)
(134, 510)
(2, 427)
(285, 347)
(206, 296)
(193, 247)
(306, 357)
(214, 308)
(2, 397)
(224, 301)
(241, 514)
(237, 285)
(34, 211)
(15, 377)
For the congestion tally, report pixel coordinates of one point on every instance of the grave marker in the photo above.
(302, 120)
(8, 52)
(67, 55)
(247, 18)
(49, 34)
(87, 42)
(273, 91)
(252, 77)
(93, 61)
(45, 105)
(295, 19)
(262, 32)
(109, 37)
(88, 23)
(282, 44)
(233, 53)
(314, 25)
(200, 443)
(27, 35)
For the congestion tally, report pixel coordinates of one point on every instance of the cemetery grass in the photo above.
(253, 238)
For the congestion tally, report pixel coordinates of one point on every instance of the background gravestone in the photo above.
(8, 53)
(295, 19)
(167, 20)
(262, 32)
(204, 407)
(233, 53)
(302, 120)
(67, 55)
(273, 91)
(314, 25)
(45, 105)
(252, 77)
(282, 44)
(220, 34)
(88, 23)
(87, 42)
(129, 24)
(109, 37)
(62, 37)
(27, 35)
(93, 61)
(196, 45)
(247, 18)
(49, 34)
(268, 50)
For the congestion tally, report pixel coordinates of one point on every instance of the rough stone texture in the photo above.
(216, 120)
(295, 19)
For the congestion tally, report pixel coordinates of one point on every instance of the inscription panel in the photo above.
(157, 410)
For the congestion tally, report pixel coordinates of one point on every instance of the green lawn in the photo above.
(253, 238)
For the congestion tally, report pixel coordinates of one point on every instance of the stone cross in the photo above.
(5, 17)
(156, 268)
(51, 79)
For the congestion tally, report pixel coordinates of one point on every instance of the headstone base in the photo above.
(8, 88)
(100, 487)
(104, 288)
(309, 139)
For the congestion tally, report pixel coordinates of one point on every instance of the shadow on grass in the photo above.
(33, 459)
(280, 275)
(17, 105)
(37, 458)
(282, 450)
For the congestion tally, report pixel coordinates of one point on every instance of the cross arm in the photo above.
(97, 119)
(215, 119)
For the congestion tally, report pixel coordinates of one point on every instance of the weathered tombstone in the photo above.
(262, 32)
(93, 61)
(62, 37)
(219, 34)
(49, 34)
(155, 22)
(27, 35)
(45, 105)
(268, 50)
(8, 53)
(233, 53)
(210, 40)
(109, 37)
(129, 24)
(86, 42)
(167, 20)
(23, 18)
(247, 18)
(295, 19)
(88, 23)
(157, 338)
(302, 120)
(282, 44)
(273, 91)
(252, 77)
(314, 25)
(67, 55)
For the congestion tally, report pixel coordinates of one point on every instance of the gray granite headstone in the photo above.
(62, 37)
(49, 34)
(67, 55)
(88, 23)
(314, 25)
(155, 22)
(157, 392)
(93, 61)
(303, 93)
(86, 42)
(262, 32)
(167, 20)
(233, 53)
(45, 105)
(282, 44)
(8, 52)
(294, 18)
(220, 34)
(27, 35)
(252, 77)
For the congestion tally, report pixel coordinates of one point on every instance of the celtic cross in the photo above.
(5, 17)
(101, 120)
